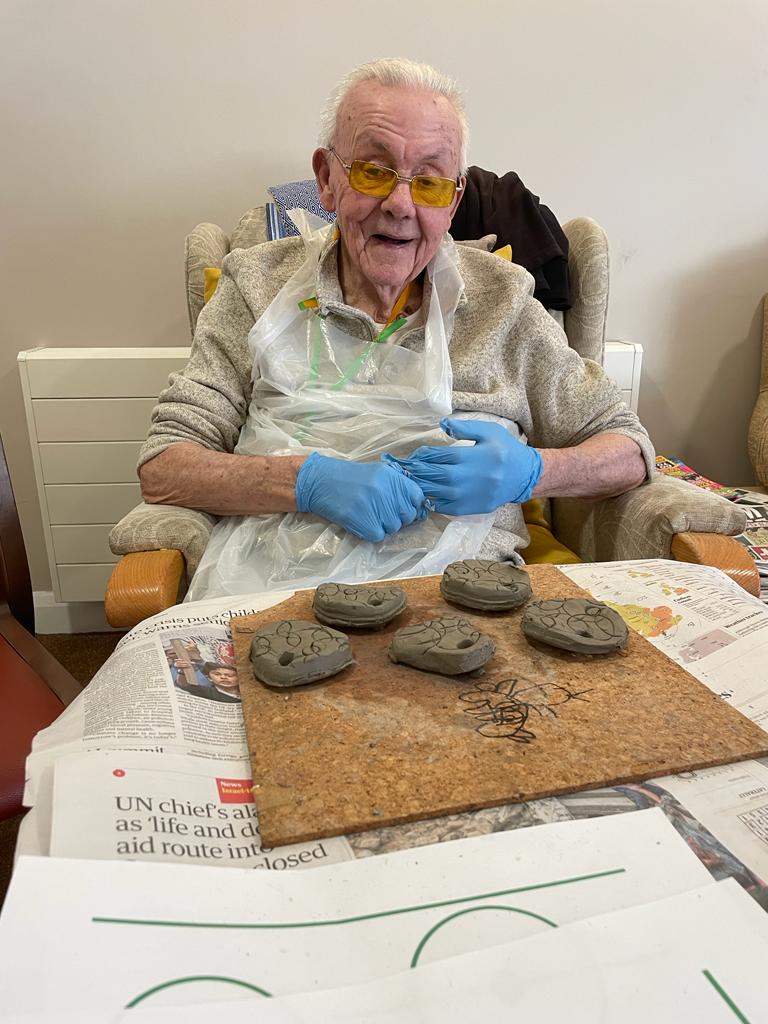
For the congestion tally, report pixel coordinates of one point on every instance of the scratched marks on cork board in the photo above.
(381, 743)
(508, 710)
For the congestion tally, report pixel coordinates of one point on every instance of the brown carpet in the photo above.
(82, 654)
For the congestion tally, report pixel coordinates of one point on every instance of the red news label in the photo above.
(235, 791)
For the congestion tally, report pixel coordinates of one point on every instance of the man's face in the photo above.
(224, 678)
(389, 241)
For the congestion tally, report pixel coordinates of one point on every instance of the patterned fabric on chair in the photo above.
(758, 426)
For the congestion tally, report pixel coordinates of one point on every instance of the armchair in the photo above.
(34, 687)
(666, 518)
(758, 427)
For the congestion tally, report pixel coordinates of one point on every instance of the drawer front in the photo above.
(90, 503)
(92, 419)
(89, 462)
(88, 544)
(84, 582)
(102, 377)
(619, 363)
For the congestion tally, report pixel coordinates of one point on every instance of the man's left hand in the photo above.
(461, 480)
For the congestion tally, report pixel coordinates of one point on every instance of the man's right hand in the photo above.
(370, 499)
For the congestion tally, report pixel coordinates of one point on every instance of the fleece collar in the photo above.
(331, 301)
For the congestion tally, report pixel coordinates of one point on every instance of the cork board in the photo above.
(379, 743)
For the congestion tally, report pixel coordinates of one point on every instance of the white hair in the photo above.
(399, 72)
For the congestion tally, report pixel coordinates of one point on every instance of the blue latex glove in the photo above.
(369, 499)
(461, 481)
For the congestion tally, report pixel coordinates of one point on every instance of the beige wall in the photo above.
(123, 124)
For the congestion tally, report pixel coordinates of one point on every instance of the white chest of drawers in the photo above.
(623, 363)
(88, 410)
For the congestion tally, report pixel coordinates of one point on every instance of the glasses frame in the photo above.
(456, 182)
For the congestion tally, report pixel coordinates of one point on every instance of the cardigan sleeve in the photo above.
(570, 399)
(207, 402)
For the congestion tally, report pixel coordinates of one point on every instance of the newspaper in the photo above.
(670, 466)
(696, 616)
(123, 805)
(149, 705)
(153, 694)
(755, 536)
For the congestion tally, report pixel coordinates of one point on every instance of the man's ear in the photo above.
(322, 168)
(459, 195)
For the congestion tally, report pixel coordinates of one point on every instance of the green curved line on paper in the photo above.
(724, 996)
(473, 910)
(195, 977)
(267, 925)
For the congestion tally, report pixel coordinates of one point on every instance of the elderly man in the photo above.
(332, 428)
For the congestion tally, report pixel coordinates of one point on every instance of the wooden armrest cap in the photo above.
(143, 584)
(721, 552)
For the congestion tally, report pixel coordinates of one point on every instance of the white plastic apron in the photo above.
(318, 389)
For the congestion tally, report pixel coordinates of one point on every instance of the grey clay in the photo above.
(293, 652)
(489, 586)
(449, 646)
(341, 604)
(575, 624)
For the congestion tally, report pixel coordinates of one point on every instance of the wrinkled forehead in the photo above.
(395, 122)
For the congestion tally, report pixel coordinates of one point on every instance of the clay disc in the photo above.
(489, 586)
(575, 624)
(293, 652)
(449, 646)
(341, 604)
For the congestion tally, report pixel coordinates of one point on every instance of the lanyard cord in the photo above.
(394, 323)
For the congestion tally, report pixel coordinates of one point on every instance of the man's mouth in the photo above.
(392, 240)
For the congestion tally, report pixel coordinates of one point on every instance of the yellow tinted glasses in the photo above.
(374, 180)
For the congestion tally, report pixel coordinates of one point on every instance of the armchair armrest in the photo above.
(648, 522)
(140, 587)
(157, 527)
(723, 553)
(143, 584)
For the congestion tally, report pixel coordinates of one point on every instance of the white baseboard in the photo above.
(69, 617)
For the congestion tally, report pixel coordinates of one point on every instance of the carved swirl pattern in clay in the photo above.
(341, 604)
(448, 645)
(293, 652)
(575, 624)
(489, 586)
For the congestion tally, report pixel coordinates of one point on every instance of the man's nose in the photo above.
(399, 202)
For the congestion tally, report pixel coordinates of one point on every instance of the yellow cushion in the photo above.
(211, 276)
(544, 547)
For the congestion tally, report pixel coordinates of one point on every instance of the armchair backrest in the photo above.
(589, 278)
(757, 440)
(207, 245)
